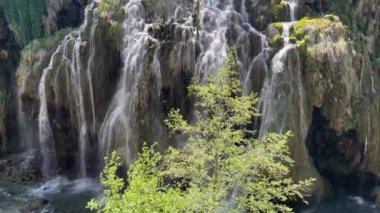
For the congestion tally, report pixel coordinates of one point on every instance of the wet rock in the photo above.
(376, 195)
(21, 168)
(4, 194)
(35, 206)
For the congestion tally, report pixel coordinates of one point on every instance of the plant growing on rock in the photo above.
(222, 167)
(112, 9)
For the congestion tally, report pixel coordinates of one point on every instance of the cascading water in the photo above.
(118, 130)
(25, 130)
(157, 55)
(90, 66)
(78, 97)
(118, 126)
(79, 85)
(282, 98)
(46, 139)
(199, 51)
(279, 88)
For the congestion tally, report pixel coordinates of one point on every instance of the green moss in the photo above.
(377, 63)
(112, 9)
(279, 10)
(276, 42)
(293, 39)
(351, 122)
(278, 25)
(46, 42)
(321, 24)
(113, 34)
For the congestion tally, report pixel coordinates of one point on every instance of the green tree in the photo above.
(146, 191)
(221, 167)
(24, 18)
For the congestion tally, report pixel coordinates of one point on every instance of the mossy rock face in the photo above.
(312, 30)
(34, 58)
(340, 76)
(264, 12)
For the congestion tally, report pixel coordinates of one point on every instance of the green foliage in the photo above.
(47, 42)
(221, 168)
(112, 9)
(113, 34)
(321, 24)
(146, 191)
(221, 157)
(278, 9)
(24, 18)
(276, 42)
(351, 122)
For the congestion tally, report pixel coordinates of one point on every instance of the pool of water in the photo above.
(63, 196)
(66, 196)
(344, 204)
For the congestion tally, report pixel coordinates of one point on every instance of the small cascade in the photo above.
(76, 81)
(220, 22)
(213, 41)
(321, 7)
(46, 139)
(282, 87)
(368, 134)
(261, 58)
(79, 80)
(372, 76)
(25, 130)
(118, 128)
(293, 4)
(244, 13)
(90, 63)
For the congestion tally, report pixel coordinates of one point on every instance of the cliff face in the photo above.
(337, 46)
(9, 56)
(109, 83)
(341, 72)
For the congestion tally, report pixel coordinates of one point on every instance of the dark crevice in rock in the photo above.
(338, 157)
(71, 16)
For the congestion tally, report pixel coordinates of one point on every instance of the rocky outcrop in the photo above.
(341, 82)
(9, 55)
(21, 169)
(62, 13)
(339, 73)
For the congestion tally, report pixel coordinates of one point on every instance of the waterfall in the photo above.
(261, 58)
(244, 13)
(372, 74)
(76, 80)
(118, 128)
(46, 139)
(282, 86)
(141, 57)
(90, 66)
(201, 52)
(76, 77)
(293, 4)
(24, 129)
(79, 88)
